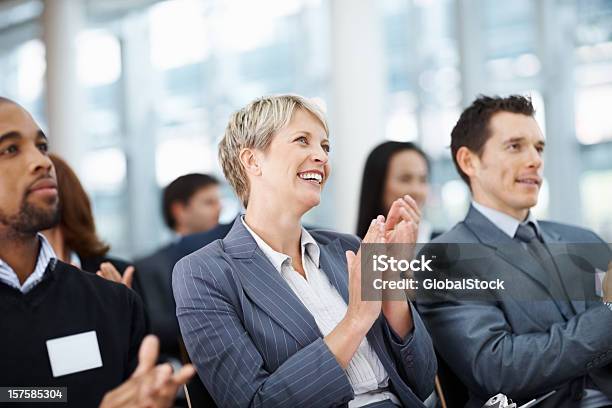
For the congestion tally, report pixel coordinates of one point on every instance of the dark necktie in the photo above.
(526, 233)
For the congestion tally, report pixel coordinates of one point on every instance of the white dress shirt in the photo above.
(365, 372)
(45, 255)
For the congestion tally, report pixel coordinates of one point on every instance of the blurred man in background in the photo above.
(191, 205)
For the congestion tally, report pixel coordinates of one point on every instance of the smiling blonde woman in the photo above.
(272, 315)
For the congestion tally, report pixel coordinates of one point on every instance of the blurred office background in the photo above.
(134, 93)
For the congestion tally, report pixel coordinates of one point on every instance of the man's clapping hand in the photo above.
(150, 386)
(109, 272)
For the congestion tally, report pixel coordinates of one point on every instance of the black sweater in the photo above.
(68, 301)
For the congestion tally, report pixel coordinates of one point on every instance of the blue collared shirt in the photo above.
(505, 222)
(45, 255)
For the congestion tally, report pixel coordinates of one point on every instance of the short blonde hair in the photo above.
(253, 127)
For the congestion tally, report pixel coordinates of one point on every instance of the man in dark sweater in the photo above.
(61, 326)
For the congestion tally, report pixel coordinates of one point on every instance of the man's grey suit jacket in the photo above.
(518, 347)
(254, 344)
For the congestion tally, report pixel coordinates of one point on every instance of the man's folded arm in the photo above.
(478, 343)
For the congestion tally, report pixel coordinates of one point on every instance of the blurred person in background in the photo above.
(272, 314)
(74, 239)
(191, 205)
(63, 327)
(392, 170)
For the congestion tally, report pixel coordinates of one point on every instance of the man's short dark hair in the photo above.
(472, 128)
(181, 190)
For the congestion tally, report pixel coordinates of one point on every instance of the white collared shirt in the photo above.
(503, 221)
(45, 255)
(365, 371)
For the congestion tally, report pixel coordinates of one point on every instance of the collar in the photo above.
(307, 242)
(45, 255)
(503, 221)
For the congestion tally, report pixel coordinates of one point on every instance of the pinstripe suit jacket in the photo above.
(254, 344)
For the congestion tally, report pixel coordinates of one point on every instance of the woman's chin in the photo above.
(309, 202)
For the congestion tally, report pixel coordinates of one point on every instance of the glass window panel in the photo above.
(104, 170)
(22, 77)
(402, 126)
(596, 198)
(98, 58)
(243, 50)
(31, 68)
(99, 71)
(594, 21)
(593, 119)
(181, 155)
(243, 25)
(593, 72)
(422, 72)
(455, 199)
(437, 126)
(509, 28)
(178, 32)
(112, 222)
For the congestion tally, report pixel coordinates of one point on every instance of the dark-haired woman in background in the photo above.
(392, 170)
(74, 239)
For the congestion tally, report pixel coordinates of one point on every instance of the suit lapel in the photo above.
(376, 340)
(513, 253)
(332, 264)
(507, 248)
(567, 271)
(265, 286)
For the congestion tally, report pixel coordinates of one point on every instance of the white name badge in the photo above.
(75, 353)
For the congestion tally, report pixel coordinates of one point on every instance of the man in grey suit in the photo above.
(521, 348)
